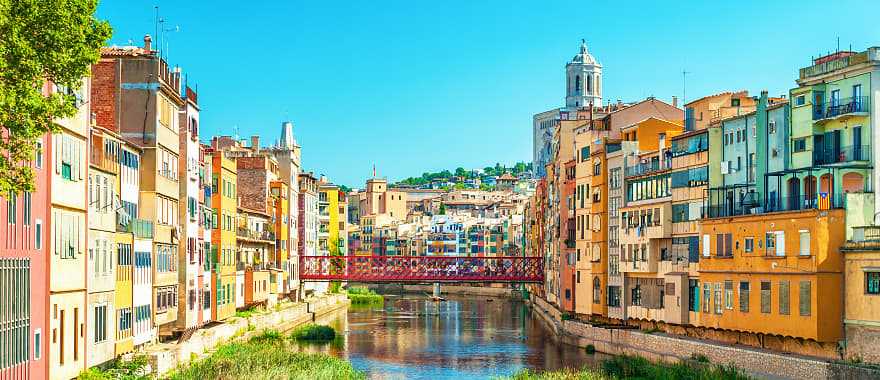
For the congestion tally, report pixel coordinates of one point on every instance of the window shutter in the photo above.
(706, 242)
(805, 298)
(780, 243)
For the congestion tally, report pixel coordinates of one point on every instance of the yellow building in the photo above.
(281, 262)
(223, 235)
(328, 219)
(68, 244)
(766, 274)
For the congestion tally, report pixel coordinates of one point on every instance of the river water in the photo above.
(412, 337)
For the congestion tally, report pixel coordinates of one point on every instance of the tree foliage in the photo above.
(41, 40)
(446, 175)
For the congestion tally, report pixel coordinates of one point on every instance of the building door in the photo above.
(794, 197)
(729, 202)
(857, 144)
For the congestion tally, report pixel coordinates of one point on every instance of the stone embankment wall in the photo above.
(659, 346)
(165, 357)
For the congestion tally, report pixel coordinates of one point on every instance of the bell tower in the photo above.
(583, 80)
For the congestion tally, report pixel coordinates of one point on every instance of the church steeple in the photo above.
(583, 80)
(287, 140)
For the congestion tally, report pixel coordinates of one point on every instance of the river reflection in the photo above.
(463, 338)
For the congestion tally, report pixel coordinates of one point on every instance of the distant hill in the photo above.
(462, 173)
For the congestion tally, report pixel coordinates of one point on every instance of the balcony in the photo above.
(847, 106)
(142, 229)
(863, 238)
(247, 233)
(823, 156)
(648, 168)
(820, 201)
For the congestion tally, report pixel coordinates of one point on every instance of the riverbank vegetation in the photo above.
(269, 355)
(119, 369)
(361, 295)
(313, 333)
(634, 367)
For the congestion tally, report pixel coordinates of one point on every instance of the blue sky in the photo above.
(415, 86)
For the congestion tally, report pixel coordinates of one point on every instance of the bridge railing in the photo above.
(422, 268)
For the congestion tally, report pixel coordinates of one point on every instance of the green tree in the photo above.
(442, 209)
(460, 172)
(40, 40)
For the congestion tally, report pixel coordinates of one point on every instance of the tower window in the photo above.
(577, 83)
(589, 84)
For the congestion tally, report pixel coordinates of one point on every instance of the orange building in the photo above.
(765, 274)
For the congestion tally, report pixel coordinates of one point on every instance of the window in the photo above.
(728, 295)
(744, 296)
(775, 244)
(38, 155)
(804, 298)
(636, 295)
(872, 282)
(800, 100)
(799, 145)
(614, 296)
(38, 344)
(784, 295)
(100, 323)
(805, 242)
(765, 297)
(749, 244)
(597, 290)
(717, 299)
(734, 102)
(14, 312)
(706, 245)
(771, 127)
(11, 207)
(707, 295)
(693, 295)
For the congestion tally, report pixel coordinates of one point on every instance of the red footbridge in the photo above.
(421, 268)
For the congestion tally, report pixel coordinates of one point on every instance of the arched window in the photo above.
(577, 84)
(597, 290)
(589, 84)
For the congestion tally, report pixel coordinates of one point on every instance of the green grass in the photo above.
(266, 356)
(247, 313)
(361, 295)
(118, 369)
(313, 333)
(634, 367)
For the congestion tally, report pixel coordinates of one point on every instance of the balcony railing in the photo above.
(824, 156)
(841, 107)
(648, 167)
(142, 229)
(255, 235)
(821, 201)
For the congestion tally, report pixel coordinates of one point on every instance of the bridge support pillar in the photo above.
(436, 294)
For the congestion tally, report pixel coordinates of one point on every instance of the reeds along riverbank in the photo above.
(634, 367)
(360, 295)
(270, 355)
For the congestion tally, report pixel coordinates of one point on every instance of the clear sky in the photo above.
(415, 86)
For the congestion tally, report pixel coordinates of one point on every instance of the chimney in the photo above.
(255, 142)
(675, 101)
(148, 43)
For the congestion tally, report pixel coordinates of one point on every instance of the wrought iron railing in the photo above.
(841, 107)
(823, 156)
(643, 168)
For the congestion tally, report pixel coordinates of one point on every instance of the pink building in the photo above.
(24, 291)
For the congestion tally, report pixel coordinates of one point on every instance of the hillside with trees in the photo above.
(462, 173)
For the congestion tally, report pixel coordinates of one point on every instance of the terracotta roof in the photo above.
(506, 176)
(124, 51)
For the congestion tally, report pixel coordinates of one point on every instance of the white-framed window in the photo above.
(100, 323)
(805, 242)
(706, 243)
